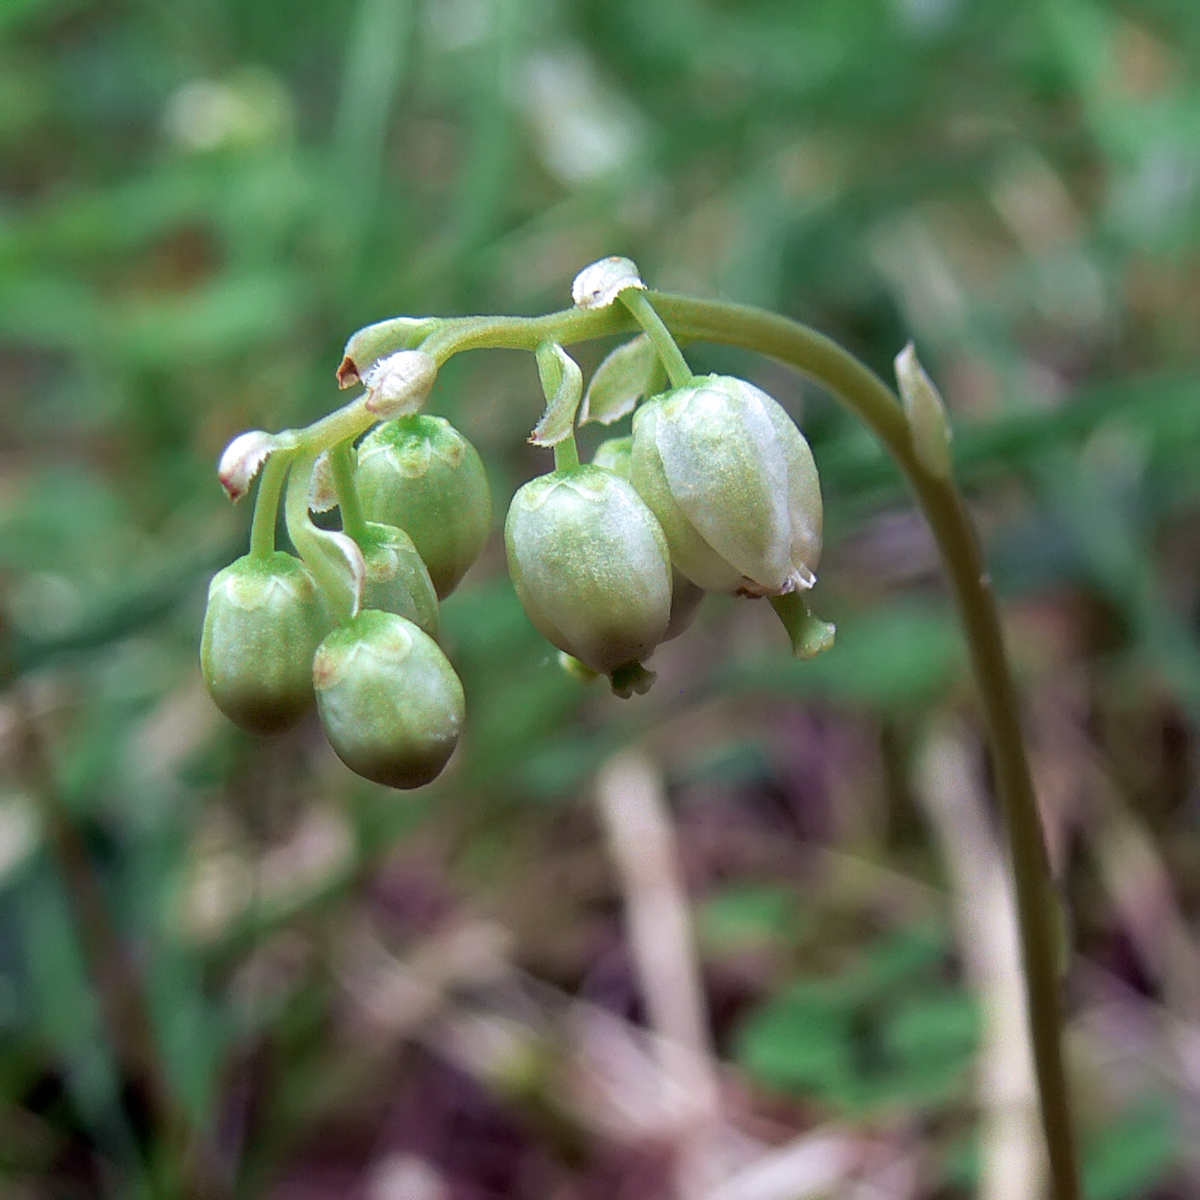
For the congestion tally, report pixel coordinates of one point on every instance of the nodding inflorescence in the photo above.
(714, 490)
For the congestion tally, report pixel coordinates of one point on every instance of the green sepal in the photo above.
(631, 679)
(626, 375)
(809, 635)
(572, 667)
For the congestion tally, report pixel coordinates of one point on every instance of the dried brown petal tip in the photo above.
(347, 374)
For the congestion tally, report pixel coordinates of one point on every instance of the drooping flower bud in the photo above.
(733, 483)
(590, 566)
(615, 455)
(396, 578)
(264, 621)
(391, 703)
(421, 475)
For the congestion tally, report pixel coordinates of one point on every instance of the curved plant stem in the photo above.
(266, 504)
(861, 390)
(307, 538)
(660, 337)
(944, 509)
(342, 466)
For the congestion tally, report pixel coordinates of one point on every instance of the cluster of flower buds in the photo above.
(350, 625)
(714, 491)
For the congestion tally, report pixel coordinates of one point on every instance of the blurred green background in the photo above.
(200, 200)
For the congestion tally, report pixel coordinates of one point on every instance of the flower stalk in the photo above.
(266, 505)
(943, 507)
(397, 360)
(669, 354)
(342, 464)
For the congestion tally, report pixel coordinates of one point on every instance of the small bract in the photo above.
(264, 621)
(396, 578)
(590, 566)
(734, 485)
(421, 475)
(391, 703)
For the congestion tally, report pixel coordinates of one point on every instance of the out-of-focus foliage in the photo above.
(199, 202)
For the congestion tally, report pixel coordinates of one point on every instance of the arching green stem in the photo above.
(939, 499)
(307, 539)
(266, 504)
(660, 337)
(944, 509)
(342, 465)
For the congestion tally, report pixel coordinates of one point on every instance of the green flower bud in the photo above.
(615, 455)
(590, 566)
(390, 701)
(733, 483)
(421, 475)
(396, 578)
(264, 621)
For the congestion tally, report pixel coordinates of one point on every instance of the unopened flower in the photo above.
(615, 455)
(396, 579)
(590, 566)
(733, 484)
(421, 475)
(599, 284)
(264, 621)
(391, 703)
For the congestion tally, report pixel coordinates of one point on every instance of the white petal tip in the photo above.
(243, 459)
(907, 361)
(800, 579)
(600, 284)
(399, 384)
(322, 493)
